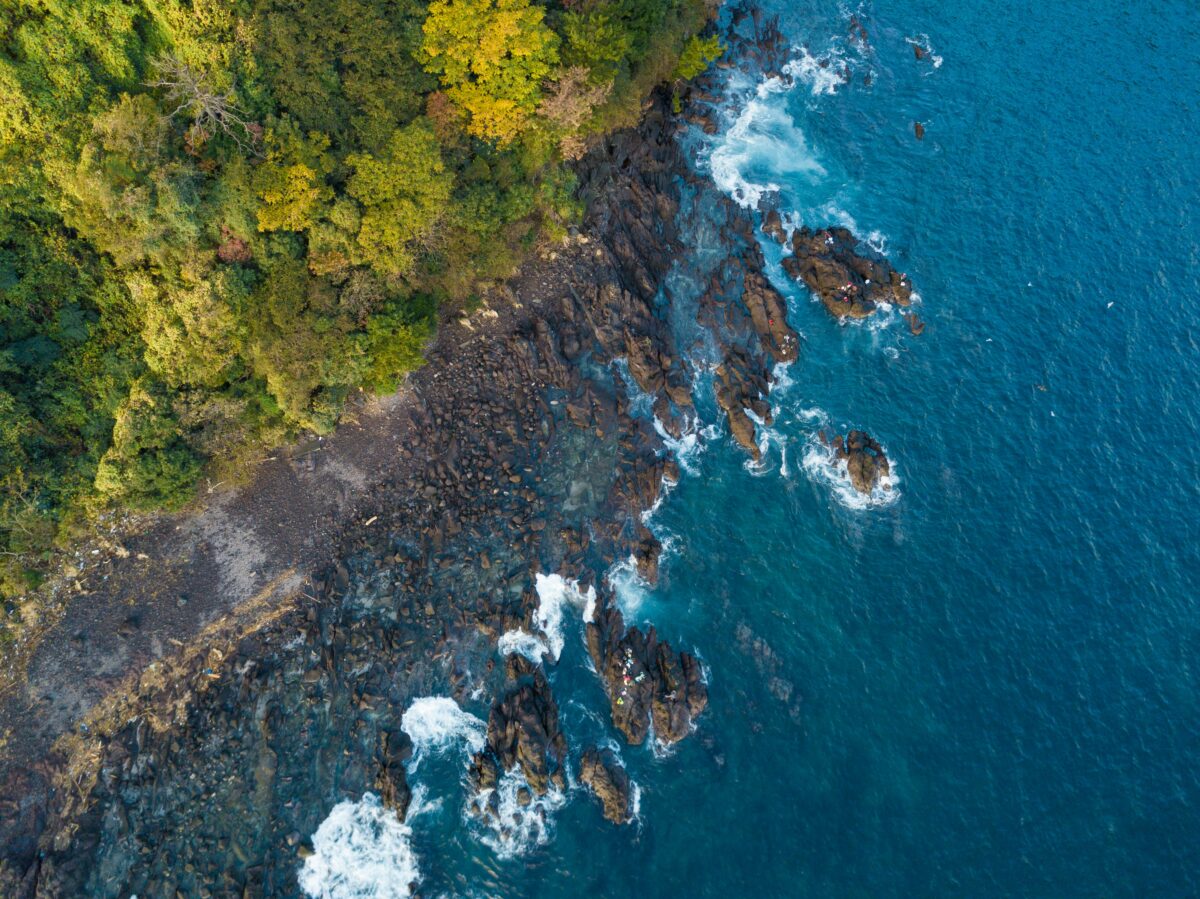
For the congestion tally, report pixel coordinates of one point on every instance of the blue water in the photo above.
(994, 676)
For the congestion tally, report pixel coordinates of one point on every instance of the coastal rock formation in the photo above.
(865, 461)
(848, 277)
(507, 448)
(648, 683)
(741, 385)
(601, 771)
(773, 226)
(523, 732)
(768, 313)
(395, 748)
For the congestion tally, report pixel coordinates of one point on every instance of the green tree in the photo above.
(402, 192)
(491, 56)
(698, 54)
(149, 465)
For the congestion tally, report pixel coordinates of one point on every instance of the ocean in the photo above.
(985, 681)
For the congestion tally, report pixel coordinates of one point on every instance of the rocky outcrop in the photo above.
(741, 385)
(601, 771)
(768, 314)
(523, 732)
(865, 461)
(772, 226)
(395, 748)
(648, 683)
(848, 277)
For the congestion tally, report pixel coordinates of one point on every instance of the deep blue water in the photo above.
(995, 676)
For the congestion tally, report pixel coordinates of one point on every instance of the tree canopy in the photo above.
(218, 220)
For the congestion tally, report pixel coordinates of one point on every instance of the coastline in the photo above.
(441, 494)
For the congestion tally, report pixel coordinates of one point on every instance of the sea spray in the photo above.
(822, 465)
(523, 643)
(554, 594)
(435, 723)
(511, 829)
(361, 850)
(763, 144)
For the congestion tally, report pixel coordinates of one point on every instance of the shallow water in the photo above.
(983, 682)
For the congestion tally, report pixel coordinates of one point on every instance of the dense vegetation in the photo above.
(218, 218)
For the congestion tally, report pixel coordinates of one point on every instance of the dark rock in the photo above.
(647, 681)
(768, 312)
(601, 771)
(523, 732)
(847, 276)
(773, 226)
(865, 461)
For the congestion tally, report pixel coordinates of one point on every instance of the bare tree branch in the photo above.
(209, 110)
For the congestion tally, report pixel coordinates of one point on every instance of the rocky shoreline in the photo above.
(517, 454)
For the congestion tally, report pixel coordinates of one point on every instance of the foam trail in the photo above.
(361, 851)
(762, 144)
(522, 643)
(434, 723)
(629, 588)
(554, 593)
(686, 448)
(822, 80)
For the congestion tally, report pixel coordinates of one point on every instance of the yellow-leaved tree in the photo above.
(492, 57)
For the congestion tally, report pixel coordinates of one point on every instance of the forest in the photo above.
(219, 220)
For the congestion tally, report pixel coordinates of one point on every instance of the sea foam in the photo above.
(823, 467)
(435, 723)
(522, 643)
(763, 144)
(821, 80)
(513, 829)
(361, 850)
(555, 593)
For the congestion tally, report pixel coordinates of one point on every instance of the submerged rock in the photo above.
(601, 771)
(848, 277)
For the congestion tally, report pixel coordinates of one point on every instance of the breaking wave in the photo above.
(555, 593)
(763, 144)
(435, 723)
(361, 850)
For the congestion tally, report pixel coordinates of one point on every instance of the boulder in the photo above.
(848, 277)
(865, 461)
(601, 771)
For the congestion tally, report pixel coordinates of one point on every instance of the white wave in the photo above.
(554, 593)
(822, 466)
(361, 850)
(513, 829)
(763, 144)
(420, 804)
(820, 79)
(522, 643)
(435, 723)
(686, 448)
(641, 404)
(629, 587)
(635, 802)
(781, 376)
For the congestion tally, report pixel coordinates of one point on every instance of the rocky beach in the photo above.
(386, 564)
